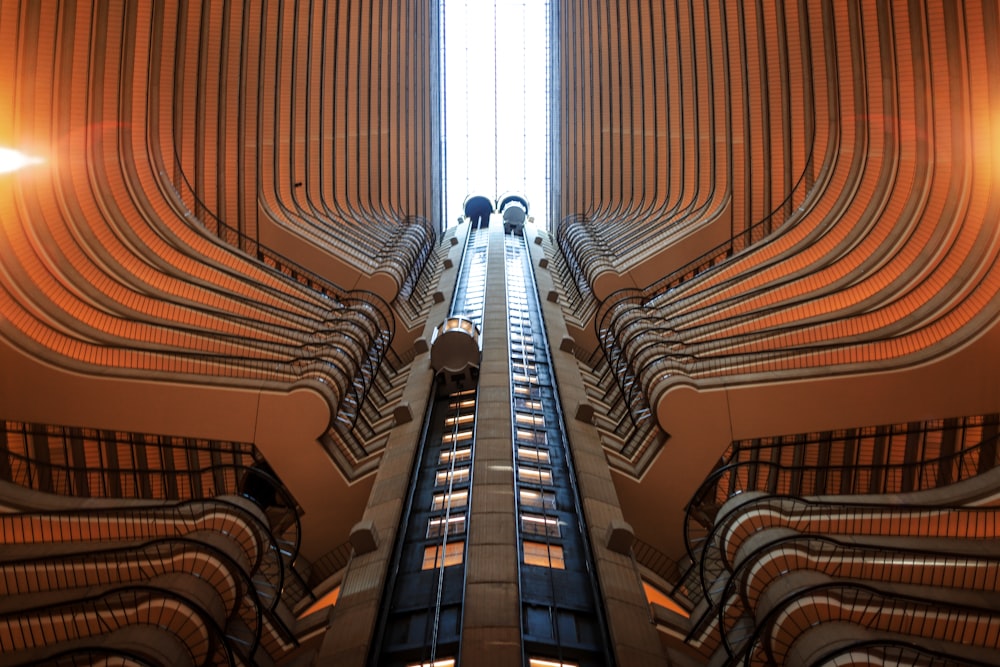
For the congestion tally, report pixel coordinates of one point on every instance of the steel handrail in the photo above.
(809, 542)
(901, 648)
(710, 486)
(164, 550)
(115, 601)
(764, 625)
(270, 548)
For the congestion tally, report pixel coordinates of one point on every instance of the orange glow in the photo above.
(653, 595)
(453, 555)
(544, 555)
(12, 160)
(328, 600)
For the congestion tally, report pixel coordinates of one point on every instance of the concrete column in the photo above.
(491, 627)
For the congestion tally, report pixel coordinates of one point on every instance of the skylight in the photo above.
(496, 73)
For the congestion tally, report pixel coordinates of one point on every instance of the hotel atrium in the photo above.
(729, 394)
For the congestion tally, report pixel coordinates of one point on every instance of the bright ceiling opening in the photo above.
(496, 102)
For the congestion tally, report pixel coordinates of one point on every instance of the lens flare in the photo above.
(12, 160)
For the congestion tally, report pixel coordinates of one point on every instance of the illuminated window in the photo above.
(450, 662)
(452, 438)
(525, 404)
(466, 403)
(452, 552)
(541, 554)
(536, 524)
(527, 435)
(532, 454)
(533, 498)
(460, 419)
(524, 419)
(463, 454)
(455, 526)
(456, 476)
(457, 499)
(533, 475)
(542, 662)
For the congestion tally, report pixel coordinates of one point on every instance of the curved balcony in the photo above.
(226, 543)
(186, 562)
(889, 652)
(679, 173)
(936, 627)
(866, 468)
(155, 624)
(87, 463)
(108, 275)
(889, 265)
(326, 165)
(886, 564)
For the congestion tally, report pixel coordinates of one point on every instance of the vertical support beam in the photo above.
(491, 629)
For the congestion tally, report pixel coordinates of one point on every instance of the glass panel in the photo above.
(533, 475)
(526, 435)
(463, 454)
(458, 499)
(544, 555)
(524, 419)
(542, 662)
(535, 524)
(460, 436)
(533, 498)
(455, 526)
(460, 419)
(453, 553)
(457, 476)
(532, 454)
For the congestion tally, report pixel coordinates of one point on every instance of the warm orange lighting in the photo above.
(328, 600)
(534, 475)
(654, 595)
(544, 555)
(447, 662)
(453, 554)
(12, 160)
(538, 662)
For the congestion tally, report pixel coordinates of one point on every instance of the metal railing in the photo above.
(943, 622)
(801, 480)
(149, 559)
(736, 602)
(161, 609)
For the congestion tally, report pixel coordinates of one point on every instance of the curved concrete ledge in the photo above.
(381, 283)
(284, 425)
(703, 422)
(608, 281)
(32, 390)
